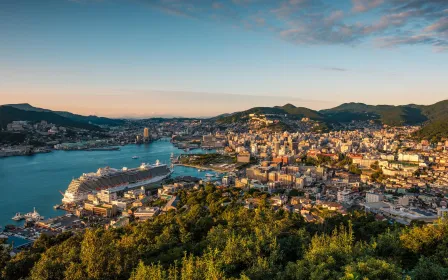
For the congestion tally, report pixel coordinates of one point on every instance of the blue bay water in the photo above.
(35, 181)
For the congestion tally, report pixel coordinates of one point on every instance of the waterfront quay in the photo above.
(216, 162)
(102, 209)
(36, 181)
(22, 237)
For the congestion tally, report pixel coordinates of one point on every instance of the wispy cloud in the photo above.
(337, 69)
(386, 23)
(365, 5)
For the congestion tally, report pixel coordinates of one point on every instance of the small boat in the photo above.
(18, 217)
(33, 215)
(135, 157)
(57, 206)
(208, 175)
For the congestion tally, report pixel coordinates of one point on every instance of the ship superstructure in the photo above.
(114, 180)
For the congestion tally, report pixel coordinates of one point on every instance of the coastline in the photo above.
(18, 153)
(202, 167)
(55, 170)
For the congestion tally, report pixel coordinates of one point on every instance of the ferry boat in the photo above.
(33, 216)
(114, 180)
(18, 217)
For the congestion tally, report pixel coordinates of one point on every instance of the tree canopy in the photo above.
(206, 240)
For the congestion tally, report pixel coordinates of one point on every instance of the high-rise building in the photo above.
(146, 133)
(373, 197)
(276, 147)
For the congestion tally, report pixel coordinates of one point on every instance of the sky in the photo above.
(198, 58)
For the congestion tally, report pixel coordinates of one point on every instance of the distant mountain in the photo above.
(387, 114)
(162, 119)
(9, 114)
(288, 110)
(27, 107)
(434, 130)
(437, 111)
(79, 118)
(302, 112)
(434, 117)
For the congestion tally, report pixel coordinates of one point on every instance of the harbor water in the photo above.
(35, 181)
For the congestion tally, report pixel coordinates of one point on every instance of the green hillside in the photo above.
(288, 110)
(434, 130)
(301, 112)
(9, 114)
(387, 114)
(435, 111)
(206, 240)
(244, 115)
(432, 117)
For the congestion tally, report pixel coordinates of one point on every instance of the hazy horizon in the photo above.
(204, 58)
(228, 100)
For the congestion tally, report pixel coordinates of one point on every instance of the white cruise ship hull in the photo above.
(70, 197)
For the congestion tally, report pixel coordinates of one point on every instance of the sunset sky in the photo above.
(141, 58)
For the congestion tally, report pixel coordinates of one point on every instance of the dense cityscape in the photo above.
(224, 140)
(357, 174)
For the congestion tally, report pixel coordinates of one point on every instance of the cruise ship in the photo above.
(114, 180)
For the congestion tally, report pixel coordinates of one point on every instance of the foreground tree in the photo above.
(372, 269)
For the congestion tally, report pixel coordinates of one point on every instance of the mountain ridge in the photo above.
(9, 114)
(433, 117)
(92, 119)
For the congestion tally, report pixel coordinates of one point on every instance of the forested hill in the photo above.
(388, 114)
(434, 130)
(206, 240)
(286, 110)
(9, 114)
(433, 117)
(74, 117)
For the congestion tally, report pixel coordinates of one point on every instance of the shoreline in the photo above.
(41, 150)
(202, 167)
(30, 154)
(73, 164)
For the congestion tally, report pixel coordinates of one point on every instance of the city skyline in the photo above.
(204, 58)
(266, 102)
(224, 139)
